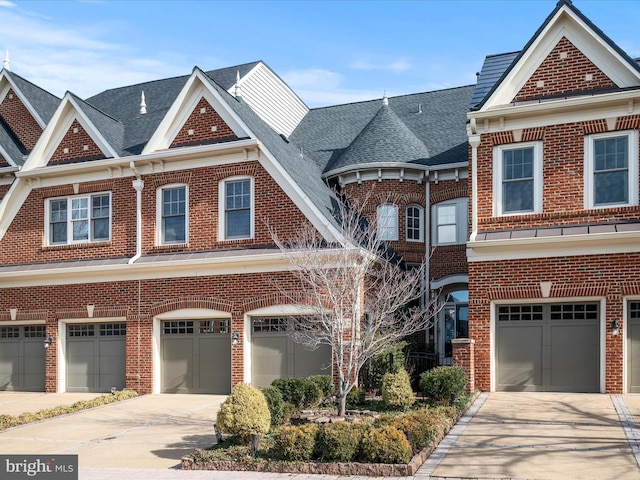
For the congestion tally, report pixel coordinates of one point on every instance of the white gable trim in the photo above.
(565, 23)
(66, 113)
(197, 86)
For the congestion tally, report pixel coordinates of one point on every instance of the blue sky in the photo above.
(329, 52)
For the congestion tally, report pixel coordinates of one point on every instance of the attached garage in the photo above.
(96, 356)
(196, 356)
(633, 347)
(548, 347)
(276, 355)
(22, 358)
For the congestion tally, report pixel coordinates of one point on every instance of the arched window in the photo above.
(388, 221)
(415, 222)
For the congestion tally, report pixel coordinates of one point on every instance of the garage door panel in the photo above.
(22, 358)
(270, 359)
(520, 357)
(10, 365)
(196, 357)
(560, 353)
(111, 363)
(214, 365)
(311, 362)
(80, 365)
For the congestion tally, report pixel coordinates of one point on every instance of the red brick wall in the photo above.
(563, 172)
(608, 276)
(205, 126)
(24, 240)
(3, 190)
(234, 294)
(79, 145)
(22, 124)
(3, 162)
(564, 75)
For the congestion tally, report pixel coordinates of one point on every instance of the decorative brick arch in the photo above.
(273, 299)
(210, 303)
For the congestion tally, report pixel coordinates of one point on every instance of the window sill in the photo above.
(71, 246)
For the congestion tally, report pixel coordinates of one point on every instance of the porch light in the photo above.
(615, 327)
(235, 337)
(48, 341)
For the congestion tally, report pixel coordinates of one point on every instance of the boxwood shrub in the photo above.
(295, 443)
(442, 382)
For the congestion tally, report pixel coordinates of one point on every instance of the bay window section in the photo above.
(388, 221)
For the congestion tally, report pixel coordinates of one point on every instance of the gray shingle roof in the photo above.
(492, 70)
(42, 101)
(123, 104)
(111, 129)
(11, 147)
(437, 119)
(384, 139)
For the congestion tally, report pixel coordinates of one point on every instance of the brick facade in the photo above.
(19, 120)
(76, 145)
(204, 125)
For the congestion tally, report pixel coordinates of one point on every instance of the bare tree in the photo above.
(362, 300)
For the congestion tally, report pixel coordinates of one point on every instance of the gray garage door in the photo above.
(633, 337)
(96, 356)
(548, 348)
(22, 359)
(196, 356)
(275, 355)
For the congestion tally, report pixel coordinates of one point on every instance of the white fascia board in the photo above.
(374, 166)
(178, 113)
(556, 112)
(24, 100)
(319, 221)
(558, 246)
(565, 23)
(228, 265)
(7, 157)
(166, 160)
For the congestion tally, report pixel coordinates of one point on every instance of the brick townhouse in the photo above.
(554, 250)
(135, 225)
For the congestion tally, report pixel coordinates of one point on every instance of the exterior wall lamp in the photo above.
(48, 341)
(235, 337)
(615, 328)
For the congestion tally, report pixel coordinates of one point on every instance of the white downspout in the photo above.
(474, 141)
(427, 243)
(138, 185)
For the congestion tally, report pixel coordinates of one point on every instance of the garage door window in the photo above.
(574, 311)
(113, 329)
(518, 313)
(81, 330)
(9, 332)
(178, 328)
(34, 331)
(263, 325)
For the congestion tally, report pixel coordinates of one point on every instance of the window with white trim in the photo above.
(173, 215)
(78, 219)
(450, 222)
(236, 208)
(517, 183)
(388, 221)
(415, 222)
(611, 169)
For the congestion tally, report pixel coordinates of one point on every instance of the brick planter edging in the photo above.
(361, 469)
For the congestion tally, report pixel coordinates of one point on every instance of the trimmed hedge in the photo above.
(385, 445)
(442, 382)
(396, 390)
(275, 403)
(339, 442)
(295, 443)
(301, 392)
(244, 413)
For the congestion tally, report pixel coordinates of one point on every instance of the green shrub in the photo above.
(275, 403)
(377, 367)
(245, 412)
(338, 442)
(355, 397)
(396, 390)
(385, 445)
(295, 443)
(301, 392)
(442, 382)
(324, 383)
(421, 427)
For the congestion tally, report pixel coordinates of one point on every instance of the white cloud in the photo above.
(7, 4)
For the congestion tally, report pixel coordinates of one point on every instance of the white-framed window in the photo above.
(611, 169)
(78, 219)
(450, 222)
(388, 221)
(415, 223)
(173, 215)
(517, 181)
(236, 206)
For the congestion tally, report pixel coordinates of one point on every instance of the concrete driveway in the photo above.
(543, 436)
(151, 431)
